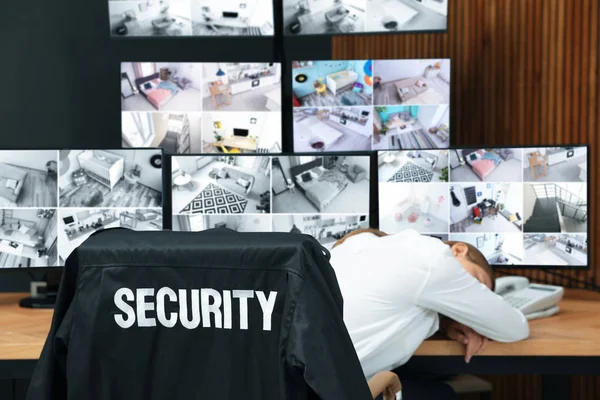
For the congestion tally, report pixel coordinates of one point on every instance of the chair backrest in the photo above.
(213, 314)
(229, 149)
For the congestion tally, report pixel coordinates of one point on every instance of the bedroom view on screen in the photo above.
(52, 200)
(325, 197)
(321, 184)
(164, 18)
(364, 105)
(28, 205)
(188, 108)
(486, 165)
(518, 206)
(411, 99)
(100, 189)
(332, 105)
(338, 17)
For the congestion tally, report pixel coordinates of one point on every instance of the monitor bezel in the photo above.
(163, 202)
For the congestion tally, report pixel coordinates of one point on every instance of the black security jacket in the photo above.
(108, 341)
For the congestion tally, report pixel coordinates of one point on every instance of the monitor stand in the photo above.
(46, 292)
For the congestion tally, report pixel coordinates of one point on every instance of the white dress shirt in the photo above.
(395, 286)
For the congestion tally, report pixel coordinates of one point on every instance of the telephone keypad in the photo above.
(516, 301)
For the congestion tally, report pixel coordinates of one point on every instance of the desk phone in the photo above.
(533, 300)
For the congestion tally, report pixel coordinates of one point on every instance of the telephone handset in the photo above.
(532, 299)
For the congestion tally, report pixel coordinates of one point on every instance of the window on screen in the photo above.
(146, 68)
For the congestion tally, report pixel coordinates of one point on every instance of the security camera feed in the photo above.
(338, 17)
(190, 108)
(364, 105)
(518, 206)
(555, 249)
(175, 18)
(323, 196)
(499, 249)
(51, 201)
(326, 228)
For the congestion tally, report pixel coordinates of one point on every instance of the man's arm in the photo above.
(453, 292)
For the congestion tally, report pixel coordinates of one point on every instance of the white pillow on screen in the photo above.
(11, 184)
(146, 90)
(243, 182)
(24, 229)
(317, 171)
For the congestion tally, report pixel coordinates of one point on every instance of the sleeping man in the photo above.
(400, 289)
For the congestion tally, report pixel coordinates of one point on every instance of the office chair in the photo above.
(229, 150)
(211, 314)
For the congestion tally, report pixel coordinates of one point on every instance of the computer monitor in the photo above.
(240, 132)
(347, 17)
(51, 201)
(188, 108)
(181, 18)
(325, 196)
(521, 207)
(365, 105)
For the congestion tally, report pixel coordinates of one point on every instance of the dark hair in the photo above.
(375, 232)
(474, 255)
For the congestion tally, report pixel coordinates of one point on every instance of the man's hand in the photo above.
(386, 383)
(392, 389)
(474, 342)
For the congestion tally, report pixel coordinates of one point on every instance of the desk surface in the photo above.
(228, 22)
(241, 142)
(573, 332)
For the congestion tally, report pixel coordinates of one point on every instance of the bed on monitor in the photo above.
(320, 182)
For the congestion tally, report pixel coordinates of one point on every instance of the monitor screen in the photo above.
(323, 196)
(188, 108)
(52, 200)
(337, 17)
(521, 207)
(365, 105)
(240, 132)
(179, 18)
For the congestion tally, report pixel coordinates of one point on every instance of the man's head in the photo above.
(467, 255)
(473, 262)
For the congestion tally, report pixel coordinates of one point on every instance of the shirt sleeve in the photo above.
(49, 381)
(451, 291)
(320, 347)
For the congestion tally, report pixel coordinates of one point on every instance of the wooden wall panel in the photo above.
(524, 72)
